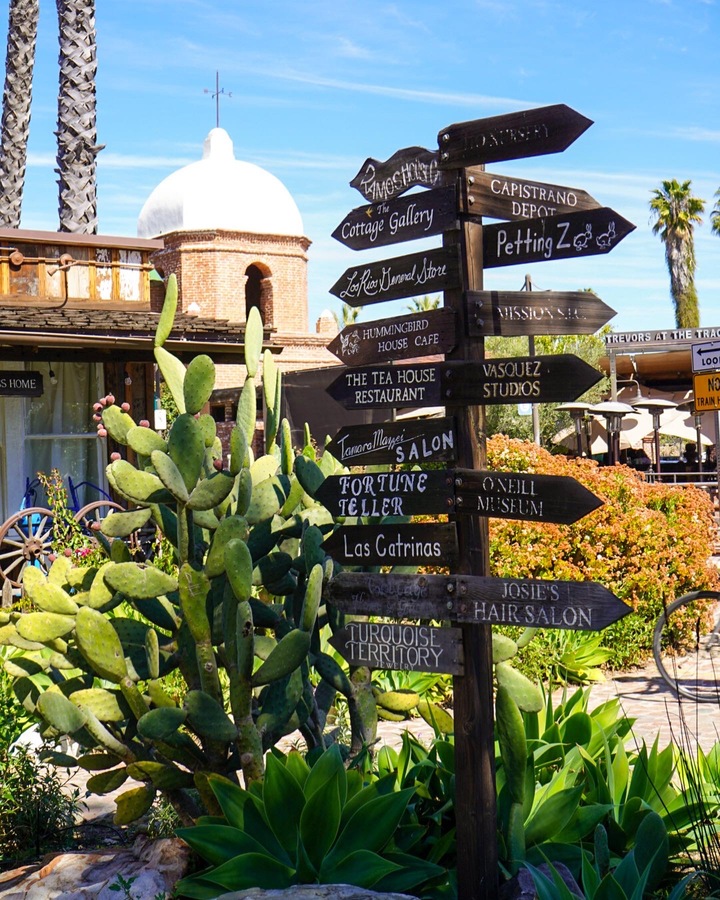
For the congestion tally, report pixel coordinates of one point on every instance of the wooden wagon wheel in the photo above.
(95, 512)
(25, 539)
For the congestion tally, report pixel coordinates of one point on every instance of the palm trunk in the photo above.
(77, 121)
(19, 62)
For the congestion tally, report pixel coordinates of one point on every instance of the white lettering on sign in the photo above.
(379, 493)
(391, 547)
(512, 379)
(534, 615)
(363, 283)
(407, 449)
(386, 646)
(508, 496)
(407, 174)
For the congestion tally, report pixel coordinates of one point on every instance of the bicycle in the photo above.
(686, 646)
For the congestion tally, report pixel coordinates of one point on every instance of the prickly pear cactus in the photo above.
(238, 617)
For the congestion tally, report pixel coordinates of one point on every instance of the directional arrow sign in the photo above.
(568, 236)
(532, 132)
(576, 606)
(394, 545)
(515, 313)
(505, 197)
(419, 648)
(502, 495)
(403, 276)
(388, 387)
(405, 337)
(388, 493)
(521, 379)
(705, 356)
(406, 168)
(411, 440)
(391, 221)
(520, 495)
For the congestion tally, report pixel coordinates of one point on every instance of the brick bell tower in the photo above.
(234, 237)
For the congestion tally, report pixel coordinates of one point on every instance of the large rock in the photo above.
(153, 867)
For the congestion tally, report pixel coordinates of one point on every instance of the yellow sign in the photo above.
(707, 391)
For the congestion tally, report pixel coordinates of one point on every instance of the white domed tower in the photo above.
(233, 236)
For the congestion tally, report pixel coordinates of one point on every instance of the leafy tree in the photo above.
(505, 418)
(424, 304)
(676, 212)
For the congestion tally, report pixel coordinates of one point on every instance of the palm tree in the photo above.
(423, 304)
(77, 120)
(19, 63)
(348, 315)
(715, 214)
(676, 212)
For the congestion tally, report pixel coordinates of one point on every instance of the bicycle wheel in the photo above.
(686, 646)
(25, 540)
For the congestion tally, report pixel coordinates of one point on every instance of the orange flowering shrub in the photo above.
(647, 544)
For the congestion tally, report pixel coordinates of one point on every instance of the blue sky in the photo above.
(319, 86)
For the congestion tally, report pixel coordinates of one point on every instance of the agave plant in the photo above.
(304, 825)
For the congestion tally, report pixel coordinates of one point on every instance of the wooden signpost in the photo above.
(527, 602)
(404, 276)
(421, 648)
(532, 132)
(408, 441)
(502, 495)
(405, 169)
(545, 222)
(518, 379)
(404, 337)
(505, 197)
(517, 313)
(404, 219)
(394, 545)
(586, 233)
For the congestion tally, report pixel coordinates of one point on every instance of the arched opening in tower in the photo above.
(258, 292)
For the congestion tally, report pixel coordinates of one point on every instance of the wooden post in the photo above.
(475, 802)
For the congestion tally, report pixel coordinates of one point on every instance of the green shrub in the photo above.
(647, 544)
(35, 814)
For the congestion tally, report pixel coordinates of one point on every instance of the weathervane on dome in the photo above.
(216, 97)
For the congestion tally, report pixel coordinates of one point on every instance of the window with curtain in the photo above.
(60, 433)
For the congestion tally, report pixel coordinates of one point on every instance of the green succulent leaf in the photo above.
(199, 383)
(253, 341)
(218, 843)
